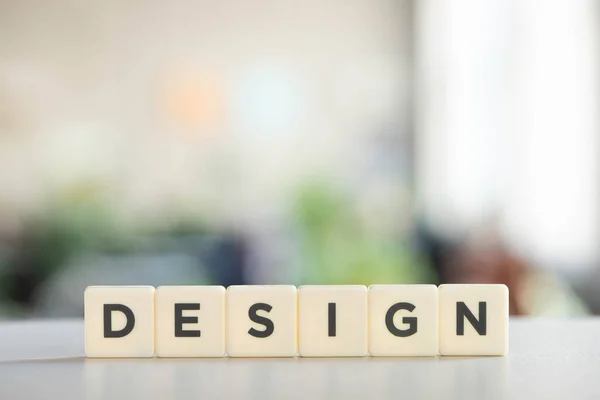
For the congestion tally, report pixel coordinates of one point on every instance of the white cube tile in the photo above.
(119, 321)
(261, 321)
(332, 321)
(403, 320)
(473, 320)
(190, 321)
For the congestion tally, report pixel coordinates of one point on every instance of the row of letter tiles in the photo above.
(282, 321)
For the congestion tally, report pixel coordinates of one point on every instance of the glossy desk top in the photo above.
(548, 359)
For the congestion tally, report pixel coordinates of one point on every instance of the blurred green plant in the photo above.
(73, 222)
(337, 248)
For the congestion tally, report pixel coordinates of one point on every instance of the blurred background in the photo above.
(299, 142)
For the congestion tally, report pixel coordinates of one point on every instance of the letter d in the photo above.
(108, 331)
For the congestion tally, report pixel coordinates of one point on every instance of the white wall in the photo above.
(508, 123)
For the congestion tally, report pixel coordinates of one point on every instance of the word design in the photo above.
(283, 321)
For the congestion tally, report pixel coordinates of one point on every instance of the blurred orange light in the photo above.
(194, 101)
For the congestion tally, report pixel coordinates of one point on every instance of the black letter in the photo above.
(462, 312)
(269, 327)
(411, 321)
(180, 319)
(331, 318)
(108, 309)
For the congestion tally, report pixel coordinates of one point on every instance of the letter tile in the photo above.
(119, 321)
(473, 320)
(261, 321)
(190, 321)
(332, 321)
(403, 320)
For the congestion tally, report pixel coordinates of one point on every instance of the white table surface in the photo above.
(548, 359)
